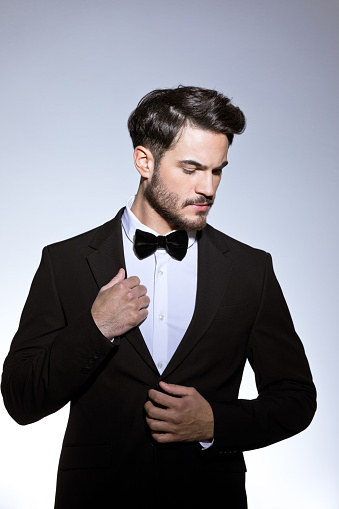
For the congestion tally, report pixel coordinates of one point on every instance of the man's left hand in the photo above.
(188, 417)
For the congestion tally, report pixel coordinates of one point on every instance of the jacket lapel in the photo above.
(214, 270)
(105, 260)
(107, 256)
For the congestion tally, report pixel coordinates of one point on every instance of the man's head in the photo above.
(162, 114)
(181, 138)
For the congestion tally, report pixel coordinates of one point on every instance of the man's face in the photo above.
(182, 189)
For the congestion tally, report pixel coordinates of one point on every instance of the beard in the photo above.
(167, 205)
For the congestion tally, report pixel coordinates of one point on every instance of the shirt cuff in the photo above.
(206, 445)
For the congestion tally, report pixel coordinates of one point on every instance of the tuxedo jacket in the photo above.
(59, 356)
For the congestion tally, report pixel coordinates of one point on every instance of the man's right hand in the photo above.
(120, 305)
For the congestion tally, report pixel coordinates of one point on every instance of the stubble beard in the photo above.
(167, 205)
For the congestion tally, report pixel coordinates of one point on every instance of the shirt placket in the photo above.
(160, 317)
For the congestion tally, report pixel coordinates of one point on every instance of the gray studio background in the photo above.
(71, 72)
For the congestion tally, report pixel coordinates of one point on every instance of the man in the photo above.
(152, 362)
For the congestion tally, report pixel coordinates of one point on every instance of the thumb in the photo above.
(120, 276)
(174, 389)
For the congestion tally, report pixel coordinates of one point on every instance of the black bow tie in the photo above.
(175, 244)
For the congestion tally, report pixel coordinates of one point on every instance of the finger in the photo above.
(144, 302)
(176, 390)
(163, 437)
(164, 400)
(154, 412)
(139, 291)
(142, 315)
(162, 431)
(132, 282)
(120, 276)
(157, 426)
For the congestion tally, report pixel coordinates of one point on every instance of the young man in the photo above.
(152, 362)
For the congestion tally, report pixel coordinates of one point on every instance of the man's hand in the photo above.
(120, 305)
(187, 418)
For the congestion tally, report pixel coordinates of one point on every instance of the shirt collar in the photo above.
(130, 223)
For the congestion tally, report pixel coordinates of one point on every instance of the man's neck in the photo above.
(148, 216)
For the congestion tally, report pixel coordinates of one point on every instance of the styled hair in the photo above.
(161, 115)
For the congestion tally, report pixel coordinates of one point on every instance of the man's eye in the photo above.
(189, 172)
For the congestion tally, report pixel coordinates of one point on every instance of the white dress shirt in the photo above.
(171, 286)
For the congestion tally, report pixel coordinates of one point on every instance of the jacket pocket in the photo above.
(85, 456)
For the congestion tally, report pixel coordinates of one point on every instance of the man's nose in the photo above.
(205, 185)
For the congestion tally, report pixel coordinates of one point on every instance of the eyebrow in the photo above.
(191, 162)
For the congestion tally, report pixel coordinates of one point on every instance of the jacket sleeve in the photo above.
(286, 400)
(50, 360)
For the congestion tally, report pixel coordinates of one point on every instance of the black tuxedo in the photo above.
(58, 355)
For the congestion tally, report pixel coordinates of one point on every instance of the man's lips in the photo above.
(201, 206)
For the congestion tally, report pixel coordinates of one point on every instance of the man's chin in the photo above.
(197, 223)
(201, 225)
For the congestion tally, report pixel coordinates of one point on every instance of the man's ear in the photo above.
(144, 161)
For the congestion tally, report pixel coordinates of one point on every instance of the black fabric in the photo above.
(59, 356)
(175, 243)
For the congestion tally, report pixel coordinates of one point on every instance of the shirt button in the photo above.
(161, 317)
(159, 365)
(160, 273)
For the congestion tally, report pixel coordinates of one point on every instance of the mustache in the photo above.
(199, 200)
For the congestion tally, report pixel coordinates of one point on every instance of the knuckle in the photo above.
(161, 437)
(129, 295)
(153, 424)
(135, 317)
(134, 280)
(119, 288)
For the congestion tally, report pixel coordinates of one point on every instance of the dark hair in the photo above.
(161, 114)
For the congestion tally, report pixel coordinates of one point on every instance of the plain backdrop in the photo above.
(71, 73)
